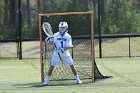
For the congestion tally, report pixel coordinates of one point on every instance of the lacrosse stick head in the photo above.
(47, 29)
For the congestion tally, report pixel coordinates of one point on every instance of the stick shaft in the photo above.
(54, 43)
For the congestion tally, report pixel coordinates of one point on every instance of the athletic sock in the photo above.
(77, 78)
(46, 80)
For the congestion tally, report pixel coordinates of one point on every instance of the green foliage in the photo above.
(1, 16)
(7, 32)
(77, 22)
(69, 5)
(122, 17)
(1, 8)
(31, 31)
(137, 23)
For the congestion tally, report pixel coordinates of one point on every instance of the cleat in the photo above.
(79, 82)
(45, 84)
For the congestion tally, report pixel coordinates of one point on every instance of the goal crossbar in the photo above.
(66, 13)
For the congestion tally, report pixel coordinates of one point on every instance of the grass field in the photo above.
(23, 76)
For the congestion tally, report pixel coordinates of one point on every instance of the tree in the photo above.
(9, 9)
(121, 16)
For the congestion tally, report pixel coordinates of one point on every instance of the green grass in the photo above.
(23, 76)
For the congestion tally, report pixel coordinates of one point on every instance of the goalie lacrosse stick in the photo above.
(48, 31)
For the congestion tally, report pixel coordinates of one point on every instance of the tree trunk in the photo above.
(6, 17)
(103, 16)
(38, 5)
(11, 10)
(28, 13)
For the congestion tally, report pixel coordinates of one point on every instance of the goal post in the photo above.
(43, 49)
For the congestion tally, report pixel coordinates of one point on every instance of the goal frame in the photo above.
(65, 14)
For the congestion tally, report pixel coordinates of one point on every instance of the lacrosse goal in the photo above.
(82, 32)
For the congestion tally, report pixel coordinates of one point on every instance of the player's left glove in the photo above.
(50, 39)
(60, 50)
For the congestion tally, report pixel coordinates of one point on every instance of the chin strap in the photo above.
(62, 33)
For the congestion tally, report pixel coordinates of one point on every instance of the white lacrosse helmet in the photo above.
(63, 27)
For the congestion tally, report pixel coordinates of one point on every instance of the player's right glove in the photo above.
(50, 39)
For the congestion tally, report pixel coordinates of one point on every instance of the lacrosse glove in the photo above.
(50, 39)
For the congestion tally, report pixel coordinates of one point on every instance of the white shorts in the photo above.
(56, 61)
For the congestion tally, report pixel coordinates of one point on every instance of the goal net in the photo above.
(82, 32)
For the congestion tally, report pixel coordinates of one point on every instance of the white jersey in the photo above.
(62, 42)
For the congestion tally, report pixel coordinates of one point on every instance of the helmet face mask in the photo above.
(63, 27)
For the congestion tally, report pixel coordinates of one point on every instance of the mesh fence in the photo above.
(134, 47)
(118, 47)
(111, 47)
(8, 50)
(30, 49)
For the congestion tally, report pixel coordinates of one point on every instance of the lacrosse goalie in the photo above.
(63, 42)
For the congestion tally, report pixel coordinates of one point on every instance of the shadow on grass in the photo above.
(58, 83)
(51, 83)
(29, 85)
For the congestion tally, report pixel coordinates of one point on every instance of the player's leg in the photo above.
(75, 74)
(69, 61)
(47, 78)
(55, 61)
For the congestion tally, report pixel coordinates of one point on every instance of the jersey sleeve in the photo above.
(69, 42)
